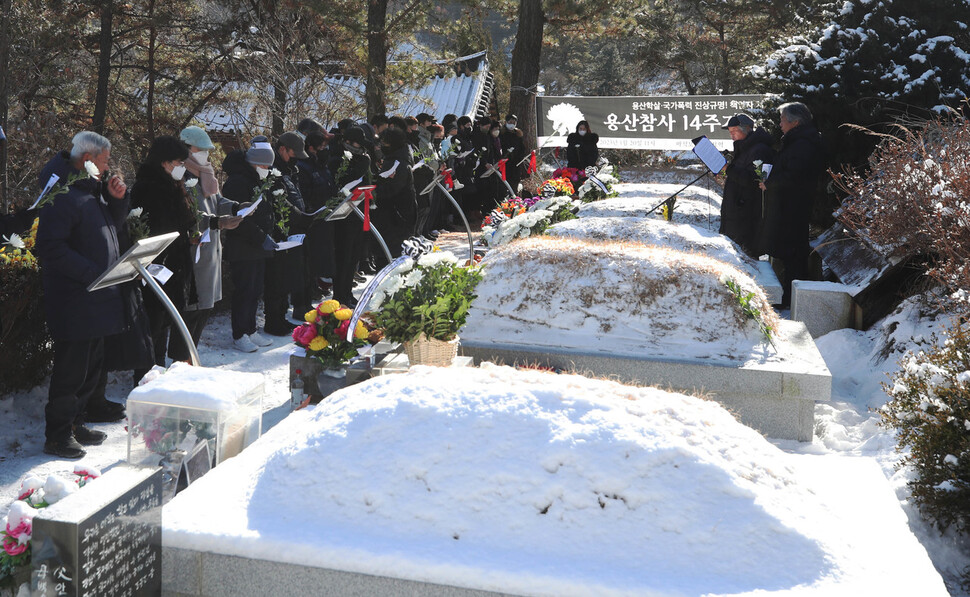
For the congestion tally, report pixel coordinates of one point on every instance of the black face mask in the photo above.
(354, 149)
(436, 143)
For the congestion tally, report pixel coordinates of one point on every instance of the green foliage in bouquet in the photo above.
(930, 411)
(433, 299)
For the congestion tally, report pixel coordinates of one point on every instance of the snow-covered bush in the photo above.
(540, 215)
(915, 200)
(930, 410)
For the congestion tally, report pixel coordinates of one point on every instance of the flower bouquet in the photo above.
(16, 527)
(25, 347)
(424, 303)
(324, 335)
(556, 187)
(575, 175)
(591, 191)
(540, 215)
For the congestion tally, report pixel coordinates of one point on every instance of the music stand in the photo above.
(436, 182)
(348, 207)
(132, 265)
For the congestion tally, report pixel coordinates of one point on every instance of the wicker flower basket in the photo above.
(429, 351)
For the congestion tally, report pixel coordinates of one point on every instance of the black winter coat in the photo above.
(742, 205)
(791, 190)
(315, 182)
(245, 243)
(77, 239)
(581, 150)
(395, 197)
(167, 209)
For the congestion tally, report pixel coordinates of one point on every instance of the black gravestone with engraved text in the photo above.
(103, 541)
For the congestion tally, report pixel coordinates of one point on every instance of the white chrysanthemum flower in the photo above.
(433, 259)
(412, 279)
(278, 193)
(14, 241)
(348, 155)
(275, 172)
(191, 183)
(135, 213)
(92, 170)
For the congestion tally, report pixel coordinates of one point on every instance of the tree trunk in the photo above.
(150, 100)
(375, 92)
(4, 107)
(279, 106)
(104, 67)
(525, 68)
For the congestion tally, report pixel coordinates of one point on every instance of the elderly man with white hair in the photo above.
(77, 239)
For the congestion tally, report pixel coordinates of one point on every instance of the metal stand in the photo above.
(373, 229)
(172, 311)
(132, 265)
(672, 197)
(492, 170)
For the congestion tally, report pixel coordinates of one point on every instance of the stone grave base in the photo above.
(187, 573)
(776, 398)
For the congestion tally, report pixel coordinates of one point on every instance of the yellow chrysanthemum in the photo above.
(361, 332)
(319, 343)
(328, 307)
(343, 314)
(310, 316)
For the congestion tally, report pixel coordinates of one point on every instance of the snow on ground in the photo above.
(649, 231)
(847, 431)
(530, 482)
(616, 298)
(697, 205)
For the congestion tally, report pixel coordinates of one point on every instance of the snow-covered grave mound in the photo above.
(649, 315)
(682, 237)
(621, 298)
(696, 204)
(530, 483)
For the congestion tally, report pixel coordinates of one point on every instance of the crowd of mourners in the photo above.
(264, 220)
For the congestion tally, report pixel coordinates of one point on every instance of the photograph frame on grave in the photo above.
(144, 251)
(197, 463)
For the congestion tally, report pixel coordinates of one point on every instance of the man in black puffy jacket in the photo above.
(742, 205)
(77, 239)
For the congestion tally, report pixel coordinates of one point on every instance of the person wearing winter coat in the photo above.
(215, 214)
(77, 240)
(493, 155)
(396, 213)
(791, 190)
(581, 148)
(742, 203)
(284, 269)
(159, 191)
(350, 164)
(250, 244)
(317, 187)
(513, 149)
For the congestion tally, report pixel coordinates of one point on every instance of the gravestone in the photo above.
(102, 541)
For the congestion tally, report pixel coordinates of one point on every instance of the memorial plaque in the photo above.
(102, 541)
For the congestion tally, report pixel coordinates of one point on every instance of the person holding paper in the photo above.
(742, 203)
(791, 188)
(396, 213)
(248, 246)
(215, 214)
(317, 187)
(77, 239)
(284, 268)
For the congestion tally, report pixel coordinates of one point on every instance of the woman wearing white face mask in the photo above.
(581, 148)
(159, 191)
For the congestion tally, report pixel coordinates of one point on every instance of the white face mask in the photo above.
(263, 172)
(582, 132)
(495, 133)
(178, 172)
(201, 156)
(510, 125)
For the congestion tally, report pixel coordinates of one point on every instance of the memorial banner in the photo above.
(660, 122)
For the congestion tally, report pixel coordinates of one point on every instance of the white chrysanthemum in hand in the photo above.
(92, 170)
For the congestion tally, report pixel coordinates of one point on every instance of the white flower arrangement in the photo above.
(518, 227)
(275, 173)
(605, 175)
(406, 276)
(135, 213)
(434, 258)
(553, 204)
(191, 183)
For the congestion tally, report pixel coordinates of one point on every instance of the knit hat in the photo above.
(193, 135)
(739, 120)
(260, 152)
